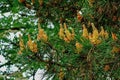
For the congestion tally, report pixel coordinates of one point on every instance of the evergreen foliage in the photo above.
(69, 39)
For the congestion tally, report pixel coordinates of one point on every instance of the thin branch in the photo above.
(14, 28)
(50, 62)
(34, 74)
(89, 60)
(112, 62)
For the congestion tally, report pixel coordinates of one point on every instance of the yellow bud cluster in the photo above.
(91, 2)
(61, 32)
(95, 32)
(78, 47)
(40, 2)
(42, 35)
(94, 37)
(65, 34)
(114, 36)
(72, 34)
(21, 44)
(32, 45)
(106, 68)
(61, 75)
(115, 49)
(85, 32)
(103, 33)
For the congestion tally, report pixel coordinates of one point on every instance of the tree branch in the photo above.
(38, 58)
(14, 28)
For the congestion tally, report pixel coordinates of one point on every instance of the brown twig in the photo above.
(89, 60)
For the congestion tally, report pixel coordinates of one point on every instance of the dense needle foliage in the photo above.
(69, 39)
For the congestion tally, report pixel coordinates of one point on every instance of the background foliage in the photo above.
(75, 55)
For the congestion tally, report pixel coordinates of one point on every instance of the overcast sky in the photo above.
(39, 73)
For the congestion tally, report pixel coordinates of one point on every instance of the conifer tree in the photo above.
(68, 39)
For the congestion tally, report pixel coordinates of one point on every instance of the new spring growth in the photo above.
(21, 44)
(40, 2)
(32, 45)
(41, 34)
(61, 32)
(72, 35)
(78, 47)
(114, 36)
(95, 32)
(115, 49)
(68, 34)
(91, 2)
(65, 34)
(61, 74)
(103, 34)
(94, 37)
(85, 32)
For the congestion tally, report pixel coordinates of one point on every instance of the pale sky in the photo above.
(39, 73)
